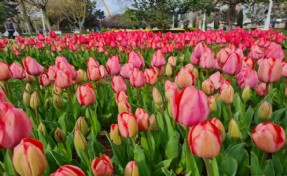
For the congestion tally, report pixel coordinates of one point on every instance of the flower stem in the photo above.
(214, 167)
(208, 167)
(190, 162)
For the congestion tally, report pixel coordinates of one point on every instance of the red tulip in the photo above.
(15, 125)
(204, 140)
(68, 170)
(17, 70)
(190, 106)
(41, 37)
(29, 157)
(86, 95)
(137, 78)
(158, 59)
(127, 70)
(44, 80)
(268, 137)
(270, 70)
(151, 75)
(127, 125)
(5, 72)
(32, 67)
(63, 79)
(118, 84)
(53, 34)
(113, 65)
(136, 59)
(102, 167)
(184, 78)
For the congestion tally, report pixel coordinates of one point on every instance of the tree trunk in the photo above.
(231, 15)
(48, 24)
(25, 17)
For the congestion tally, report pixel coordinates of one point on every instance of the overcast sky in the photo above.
(115, 6)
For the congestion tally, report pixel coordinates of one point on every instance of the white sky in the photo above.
(115, 6)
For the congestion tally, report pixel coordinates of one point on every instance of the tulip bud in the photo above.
(195, 72)
(181, 58)
(233, 130)
(103, 166)
(34, 101)
(246, 94)
(115, 134)
(168, 70)
(58, 101)
(132, 169)
(226, 95)
(127, 124)
(82, 125)
(59, 136)
(157, 98)
(26, 98)
(81, 76)
(30, 78)
(153, 123)
(28, 88)
(80, 141)
(68, 170)
(29, 157)
(265, 111)
(42, 129)
(212, 104)
(207, 87)
(57, 90)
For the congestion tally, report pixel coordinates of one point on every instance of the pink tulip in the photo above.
(113, 65)
(68, 170)
(232, 65)
(17, 70)
(217, 79)
(86, 95)
(92, 62)
(32, 67)
(127, 125)
(137, 78)
(184, 78)
(63, 79)
(198, 50)
(15, 125)
(124, 106)
(94, 73)
(29, 157)
(261, 89)
(169, 88)
(158, 59)
(204, 140)
(268, 137)
(132, 169)
(142, 119)
(41, 37)
(151, 75)
(103, 166)
(127, 70)
(4, 107)
(103, 71)
(136, 59)
(68, 66)
(222, 56)
(275, 51)
(172, 61)
(207, 59)
(190, 106)
(44, 80)
(270, 70)
(118, 84)
(5, 72)
(247, 77)
(284, 70)
(256, 52)
(52, 72)
(207, 87)
(121, 96)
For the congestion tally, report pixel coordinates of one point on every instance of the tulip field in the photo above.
(141, 103)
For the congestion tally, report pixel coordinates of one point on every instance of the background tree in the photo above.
(42, 5)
